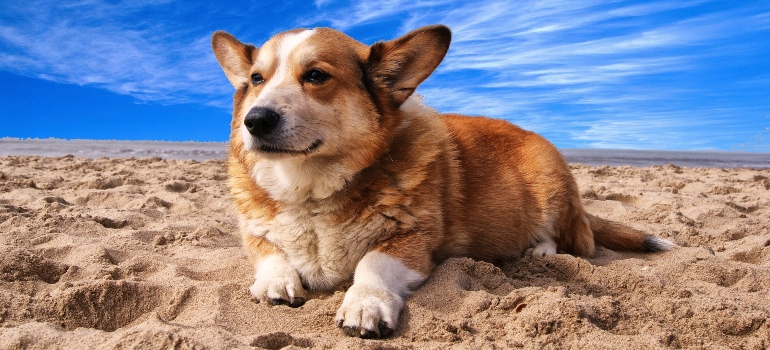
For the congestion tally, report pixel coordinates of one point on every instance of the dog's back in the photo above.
(516, 188)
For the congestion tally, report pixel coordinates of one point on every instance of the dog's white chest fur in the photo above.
(324, 253)
(295, 181)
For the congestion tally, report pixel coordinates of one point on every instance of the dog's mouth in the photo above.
(268, 148)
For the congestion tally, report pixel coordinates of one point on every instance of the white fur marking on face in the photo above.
(288, 44)
(380, 285)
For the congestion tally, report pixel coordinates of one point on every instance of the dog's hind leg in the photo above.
(574, 235)
(544, 246)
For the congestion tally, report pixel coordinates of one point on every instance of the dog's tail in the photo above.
(617, 236)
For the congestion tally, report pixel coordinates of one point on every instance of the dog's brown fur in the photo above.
(417, 186)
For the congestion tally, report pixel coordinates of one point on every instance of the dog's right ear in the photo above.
(399, 66)
(235, 57)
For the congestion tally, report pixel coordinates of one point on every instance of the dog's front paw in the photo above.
(278, 283)
(369, 312)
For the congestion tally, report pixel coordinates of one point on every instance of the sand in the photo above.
(145, 254)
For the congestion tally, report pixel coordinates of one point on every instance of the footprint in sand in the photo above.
(280, 340)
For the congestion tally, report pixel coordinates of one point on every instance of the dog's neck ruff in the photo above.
(298, 179)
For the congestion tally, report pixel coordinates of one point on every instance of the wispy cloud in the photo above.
(93, 48)
(321, 3)
(368, 11)
(696, 129)
(534, 43)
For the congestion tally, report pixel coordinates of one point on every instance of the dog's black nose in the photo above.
(261, 121)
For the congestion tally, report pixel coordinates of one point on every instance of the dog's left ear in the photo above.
(234, 56)
(400, 65)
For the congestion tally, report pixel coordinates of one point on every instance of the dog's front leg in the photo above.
(383, 278)
(275, 280)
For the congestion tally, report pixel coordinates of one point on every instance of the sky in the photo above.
(656, 75)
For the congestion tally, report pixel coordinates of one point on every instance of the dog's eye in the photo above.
(257, 79)
(315, 76)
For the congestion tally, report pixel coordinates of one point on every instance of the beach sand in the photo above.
(145, 254)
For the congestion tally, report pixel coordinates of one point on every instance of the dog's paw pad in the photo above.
(297, 302)
(382, 331)
(349, 330)
(275, 302)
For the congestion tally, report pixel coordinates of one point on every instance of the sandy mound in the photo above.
(145, 253)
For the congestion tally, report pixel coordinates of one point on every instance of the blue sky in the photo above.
(665, 75)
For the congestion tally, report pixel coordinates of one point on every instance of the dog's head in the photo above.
(311, 93)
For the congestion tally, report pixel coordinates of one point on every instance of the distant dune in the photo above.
(113, 148)
(218, 150)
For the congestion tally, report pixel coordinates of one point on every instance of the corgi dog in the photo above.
(339, 171)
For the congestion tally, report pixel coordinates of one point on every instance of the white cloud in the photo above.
(697, 130)
(609, 74)
(93, 49)
(369, 11)
(322, 3)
